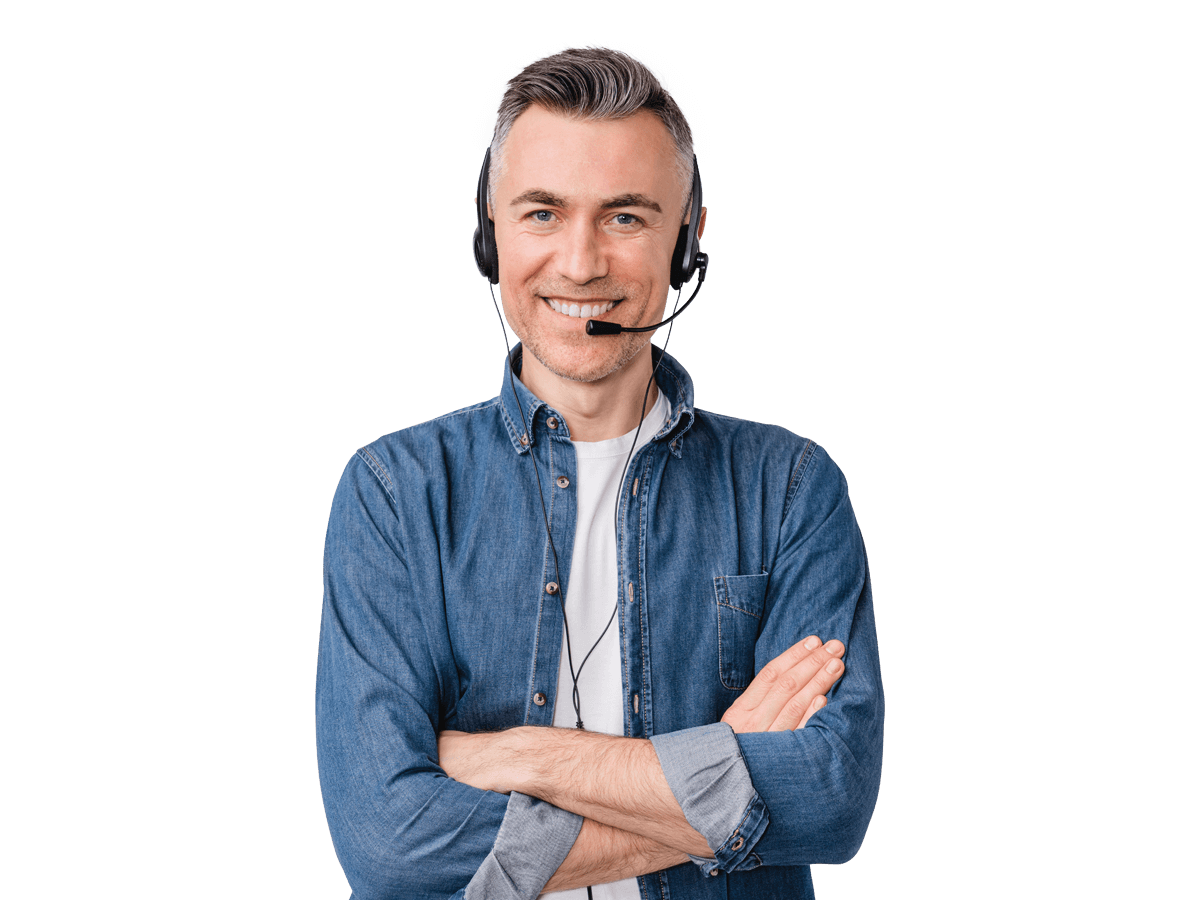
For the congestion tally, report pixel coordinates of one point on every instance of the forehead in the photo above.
(590, 159)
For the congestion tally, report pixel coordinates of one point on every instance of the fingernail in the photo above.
(813, 642)
(834, 647)
(833, 666)
(819, 702)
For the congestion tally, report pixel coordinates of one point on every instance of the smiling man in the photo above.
(586, 637)
(586, 214)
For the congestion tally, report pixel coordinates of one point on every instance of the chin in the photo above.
(573, 365)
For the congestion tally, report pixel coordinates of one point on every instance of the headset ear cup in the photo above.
(485, 252)
(681, 266)
(493, 257)
(687, 245)
(485, 232)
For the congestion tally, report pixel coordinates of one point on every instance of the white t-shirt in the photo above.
(591, 597)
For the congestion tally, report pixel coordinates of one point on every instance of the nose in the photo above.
(581, 257)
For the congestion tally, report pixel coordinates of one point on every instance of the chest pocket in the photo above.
(740, 601)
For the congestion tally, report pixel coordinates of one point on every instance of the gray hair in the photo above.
(595, 83)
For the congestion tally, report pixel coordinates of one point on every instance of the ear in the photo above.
(703, 218)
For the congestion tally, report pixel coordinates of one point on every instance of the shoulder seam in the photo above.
(376, 465)
(798, 473)
(378, 471)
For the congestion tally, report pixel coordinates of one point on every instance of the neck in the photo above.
(595, 410)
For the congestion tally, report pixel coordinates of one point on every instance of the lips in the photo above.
(581, 310)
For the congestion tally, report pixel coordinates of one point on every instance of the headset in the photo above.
(686, 260)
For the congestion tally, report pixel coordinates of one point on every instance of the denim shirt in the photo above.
(735, 540)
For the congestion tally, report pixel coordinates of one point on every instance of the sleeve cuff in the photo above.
(709, 778)
(534, 839)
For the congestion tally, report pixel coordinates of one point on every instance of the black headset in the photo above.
(683, 259)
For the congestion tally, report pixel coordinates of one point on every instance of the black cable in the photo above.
(575, 701)
(545, 518)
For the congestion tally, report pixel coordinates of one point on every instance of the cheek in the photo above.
(520, 258)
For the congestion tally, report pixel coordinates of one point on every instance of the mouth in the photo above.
(581, 310)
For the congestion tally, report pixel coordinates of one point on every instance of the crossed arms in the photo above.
(389, 677)
(633, 824)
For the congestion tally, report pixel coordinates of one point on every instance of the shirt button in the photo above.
(564, 481)
(524, 440)
(715, 872)
(539, 699)
(737, 845)
(552, 422)
(552, 587)
(629, 591)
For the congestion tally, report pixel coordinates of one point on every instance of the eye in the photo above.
(626, 219)
(543, 216)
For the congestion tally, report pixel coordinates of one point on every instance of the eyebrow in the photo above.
(545, 198)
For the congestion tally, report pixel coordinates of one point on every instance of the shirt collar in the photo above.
(673, 380)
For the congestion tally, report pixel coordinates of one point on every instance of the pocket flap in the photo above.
(745, 593)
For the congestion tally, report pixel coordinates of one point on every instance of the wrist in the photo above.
(525, 759)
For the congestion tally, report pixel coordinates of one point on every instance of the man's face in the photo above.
(587, 214)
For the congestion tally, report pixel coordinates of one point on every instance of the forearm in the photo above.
(612, 780)
(602, 854)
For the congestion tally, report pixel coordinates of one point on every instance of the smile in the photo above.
(585, 311)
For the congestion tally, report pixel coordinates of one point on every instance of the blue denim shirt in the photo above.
(735, 540)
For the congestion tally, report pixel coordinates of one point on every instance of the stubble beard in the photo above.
(631, 346)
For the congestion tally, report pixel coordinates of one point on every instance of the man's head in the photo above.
(592, 84)
(591, 167)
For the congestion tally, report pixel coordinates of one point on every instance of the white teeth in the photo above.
(580, 312)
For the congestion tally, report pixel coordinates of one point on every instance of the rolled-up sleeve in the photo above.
(534, 839)
(820, 782)
(706, 773)
(400, 826)
(806, 796)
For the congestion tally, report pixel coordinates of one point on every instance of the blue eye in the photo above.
(626, 219)
(543, 215)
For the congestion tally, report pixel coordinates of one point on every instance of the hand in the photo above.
(789, 689)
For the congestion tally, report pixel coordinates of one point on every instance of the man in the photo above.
(590, 548)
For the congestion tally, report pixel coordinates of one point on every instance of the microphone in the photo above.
(597, 327)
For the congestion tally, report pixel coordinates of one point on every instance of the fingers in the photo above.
(812, 708)
(811, 678)
(773, 671)
(745, 714)
(789, 689)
